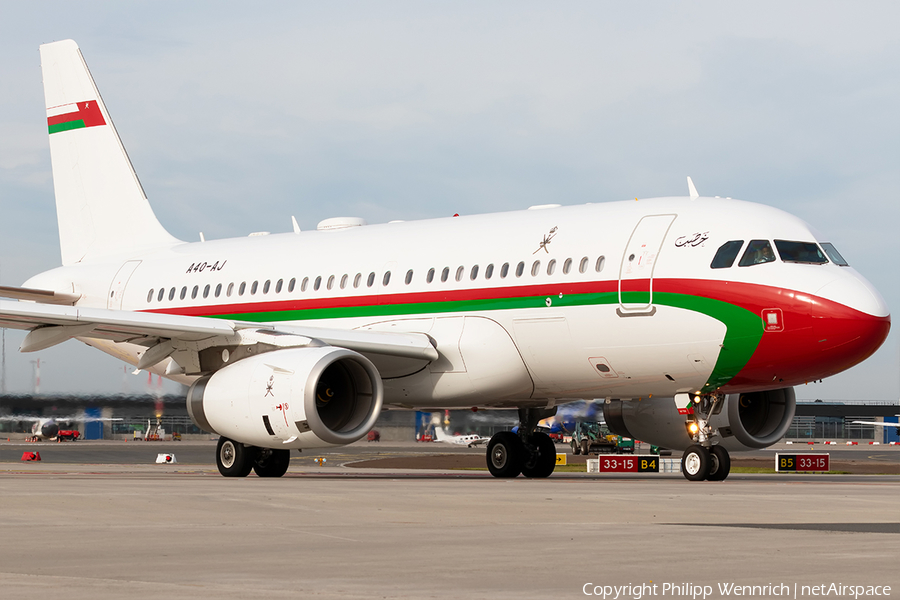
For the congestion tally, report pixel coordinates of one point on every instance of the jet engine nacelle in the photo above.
(292, 398)
(744, 421)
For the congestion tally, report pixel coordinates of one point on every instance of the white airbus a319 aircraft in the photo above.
(693, 317)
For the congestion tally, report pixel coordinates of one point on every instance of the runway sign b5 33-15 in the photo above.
(801, 462)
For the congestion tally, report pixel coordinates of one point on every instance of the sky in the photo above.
(237, 118)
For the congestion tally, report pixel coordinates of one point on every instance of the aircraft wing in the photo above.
(50, 325)
(877, 423)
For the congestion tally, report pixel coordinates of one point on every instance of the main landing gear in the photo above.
(235, 459)
(529, 452)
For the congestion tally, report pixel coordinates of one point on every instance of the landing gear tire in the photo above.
(271, 463)
(505, 454)
(233, 458)
(720, 464)
(543, 461)
(576, 449)
(695, 463)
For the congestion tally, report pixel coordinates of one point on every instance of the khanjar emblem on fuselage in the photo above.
(270, 387)
(547, 239)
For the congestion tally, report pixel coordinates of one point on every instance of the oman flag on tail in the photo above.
(74, 116)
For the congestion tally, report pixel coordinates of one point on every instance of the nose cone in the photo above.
(850, 321)
(851, 289)
(49, 429)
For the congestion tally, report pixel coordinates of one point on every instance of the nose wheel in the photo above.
(699, 463)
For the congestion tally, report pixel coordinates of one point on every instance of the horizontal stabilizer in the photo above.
(42, 296)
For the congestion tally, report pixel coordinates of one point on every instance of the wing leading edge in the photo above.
(49, 325)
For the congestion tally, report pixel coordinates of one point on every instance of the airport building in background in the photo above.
(136, 414)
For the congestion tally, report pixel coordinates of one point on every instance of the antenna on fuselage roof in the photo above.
(294, 223)
(692, 191)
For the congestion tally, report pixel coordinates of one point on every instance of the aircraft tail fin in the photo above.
(441, 435)
(101, 207)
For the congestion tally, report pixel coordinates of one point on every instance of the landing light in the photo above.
(691, 427)
(697, 399)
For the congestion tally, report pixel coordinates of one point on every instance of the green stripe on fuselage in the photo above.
(743, 328)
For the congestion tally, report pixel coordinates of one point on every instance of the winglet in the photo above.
(692, 190)
(294, 223)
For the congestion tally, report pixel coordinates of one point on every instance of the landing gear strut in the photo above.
(704, 460)
(529, 452)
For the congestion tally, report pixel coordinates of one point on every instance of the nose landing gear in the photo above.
(704, 460)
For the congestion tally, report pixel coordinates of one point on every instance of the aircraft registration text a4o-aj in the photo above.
(693, 317)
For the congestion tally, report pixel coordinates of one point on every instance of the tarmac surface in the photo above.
(101, 520)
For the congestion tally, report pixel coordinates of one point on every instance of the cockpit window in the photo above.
(800, 252)
(757, 252)
(726, 254)
(834, 255)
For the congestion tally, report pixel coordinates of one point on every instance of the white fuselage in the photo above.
(524, 306)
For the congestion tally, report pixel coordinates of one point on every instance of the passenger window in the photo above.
(162, 293)
(386, 279)
(330, 283)
(551, 267)
(279, 285)
(171, 294)
(600, 262)
(218, 290)
(535, 268)
(254, 287)
(304, 284)
(445, 274)
(357, 280)
(520, 268)
(582, 268)
(567, 266)
(242, 288)
(266, 286)
(757, 252)
(150, 296)
(430, 276)
(292, 284)
(726, 254)
(409, 275)
(230, 290)
(473, 273)
(206, 291)
(504, 270)
(318, 283)
(371, 280)
(183, 293)
(800, 252)
(459, 273)
(834, 255)
(344, 281)
(194, 292)
(488, 271)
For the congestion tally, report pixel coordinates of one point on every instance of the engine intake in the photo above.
(745, 421)
(292, 398)
(758, 419)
